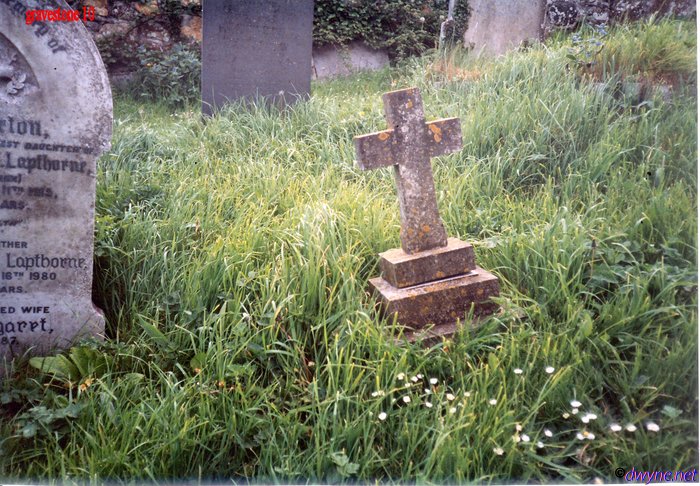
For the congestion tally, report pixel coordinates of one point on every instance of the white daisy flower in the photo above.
(652, 427)
(518, 427)
(498, 451)
(630, 427)
(493, 401)
(525, 438)
(400, 376)
(467, 394)
(406, 399)
(585, 419)
(591, 416)
(450, 397)
(575, 403)
(382, 416)
(427, 391)
(590, 436)
(428, 405)
(453, 409)
(420, 376)
(433, 381)
(518, 371)
(615, 427)
(574, 411)
(565, 415)
(540, 445)
(414, 379)
(579, 436)
(549, 370)
(407, 385)
(548, 433)
(516, 438)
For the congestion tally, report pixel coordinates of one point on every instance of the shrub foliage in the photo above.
(403, 27)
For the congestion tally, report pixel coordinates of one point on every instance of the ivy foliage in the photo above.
(402, 27)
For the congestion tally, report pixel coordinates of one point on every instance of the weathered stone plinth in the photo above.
(428, 299)
(401, 269)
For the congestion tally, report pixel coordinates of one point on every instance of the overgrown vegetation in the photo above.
(232, 258)
(652, 52)
(172, 78)
(403, 27)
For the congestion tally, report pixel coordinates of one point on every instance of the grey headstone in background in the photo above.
(256, 48)
(498, 26)
(55, 120)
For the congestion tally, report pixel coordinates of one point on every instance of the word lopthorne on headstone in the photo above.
(432, 279)
(256, 48)
(55, 120)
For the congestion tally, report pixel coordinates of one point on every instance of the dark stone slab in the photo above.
(441, 302)
(55, 121)
(256, 48)
(403, 270)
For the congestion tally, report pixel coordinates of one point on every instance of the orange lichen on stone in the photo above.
(425, 228)
(437, 132)
(383, 136)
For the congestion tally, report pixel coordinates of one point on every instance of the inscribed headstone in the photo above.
(55, 120)
(496, 27)
(256, 48)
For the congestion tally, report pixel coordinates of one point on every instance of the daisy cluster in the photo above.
(425, 389)
(582, 434)
(432, 394)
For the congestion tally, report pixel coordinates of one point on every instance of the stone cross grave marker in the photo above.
(431, 279)
(55, 120)
(256, 48)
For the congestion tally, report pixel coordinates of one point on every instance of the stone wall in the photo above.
(568, 14)
(121, 26)
(496, 27)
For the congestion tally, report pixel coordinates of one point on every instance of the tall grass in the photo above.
(232, 258)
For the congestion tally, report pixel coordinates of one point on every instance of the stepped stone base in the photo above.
(401, 269)
(441, 302)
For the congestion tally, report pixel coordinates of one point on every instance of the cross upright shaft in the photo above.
(408, 145)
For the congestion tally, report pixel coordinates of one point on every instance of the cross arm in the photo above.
(444, 136)
(376, 150)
